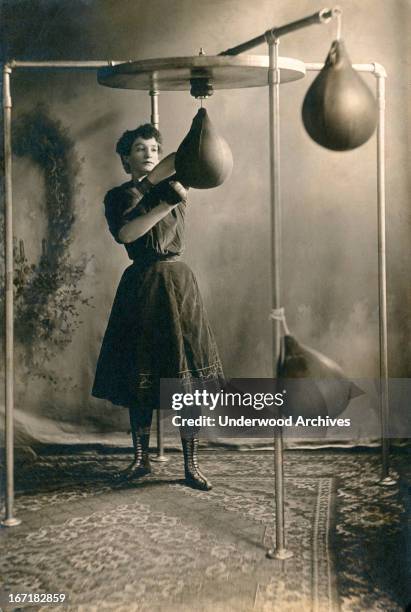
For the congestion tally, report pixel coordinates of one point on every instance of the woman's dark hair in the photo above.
(145, 131)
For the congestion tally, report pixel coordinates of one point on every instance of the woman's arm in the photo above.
(141, 225)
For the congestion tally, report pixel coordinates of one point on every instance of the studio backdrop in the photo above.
(67, 266)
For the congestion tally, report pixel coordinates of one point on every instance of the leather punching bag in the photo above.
(203, 160)
(316, 385)
(339, 111)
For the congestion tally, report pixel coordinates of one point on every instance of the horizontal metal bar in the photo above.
(322, 16)
(374, 68)
(249, 44)
(85, 65)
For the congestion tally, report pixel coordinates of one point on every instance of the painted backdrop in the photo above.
(67, 264)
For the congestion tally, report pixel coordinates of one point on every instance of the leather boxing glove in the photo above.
(172, 192)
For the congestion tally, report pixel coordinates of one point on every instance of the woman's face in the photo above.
(144, 155)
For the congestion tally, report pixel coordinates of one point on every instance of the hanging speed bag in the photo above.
(204, 159)
(339, 111)
(315, 384)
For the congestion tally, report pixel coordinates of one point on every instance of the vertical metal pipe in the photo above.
(155, 119)
(280, 551)
(160, 439)
(382, 283)
(9, 520)
(155, 122)
(275, 190)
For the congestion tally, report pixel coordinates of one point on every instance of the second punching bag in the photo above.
(204, 159)
(339, 111)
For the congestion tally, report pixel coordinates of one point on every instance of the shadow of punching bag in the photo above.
(204, 159)
(339, 111)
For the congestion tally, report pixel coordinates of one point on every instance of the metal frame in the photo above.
(379, 72)
(280, 550)
(271, 37)
(10, 520)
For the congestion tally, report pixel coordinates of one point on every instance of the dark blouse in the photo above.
(128, 201)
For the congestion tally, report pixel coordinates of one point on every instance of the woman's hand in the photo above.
(171, 192)
(170, 195)
(180, 192)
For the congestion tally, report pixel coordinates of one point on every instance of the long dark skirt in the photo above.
(158, 328)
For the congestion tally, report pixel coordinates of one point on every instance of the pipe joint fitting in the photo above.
(379, 70)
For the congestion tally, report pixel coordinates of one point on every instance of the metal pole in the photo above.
(160, 457)
(382, 281)
(10, 520)
(155, 118)
(155, 121)
(280, 551)
(322, 16)
(76, 65)
(386, 479)
(375, 69)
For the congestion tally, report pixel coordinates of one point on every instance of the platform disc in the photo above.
(175, 73)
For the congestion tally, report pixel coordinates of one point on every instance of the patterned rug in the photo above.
(159, 545)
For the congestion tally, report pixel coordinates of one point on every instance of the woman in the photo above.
(158, 327)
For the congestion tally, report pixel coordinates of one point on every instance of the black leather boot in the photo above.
(194, 478)
(140, 466)
(140, 422)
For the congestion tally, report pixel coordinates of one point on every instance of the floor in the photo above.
(159, 545)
